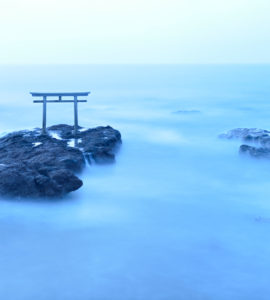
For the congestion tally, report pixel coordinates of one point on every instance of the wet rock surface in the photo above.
(96, 143)
(35, 165)
(257, 141)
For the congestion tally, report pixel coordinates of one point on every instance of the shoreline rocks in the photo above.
(37, 165)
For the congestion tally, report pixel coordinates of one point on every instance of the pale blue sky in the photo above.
(129, 31)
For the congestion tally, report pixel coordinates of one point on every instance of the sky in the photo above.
(134, 31)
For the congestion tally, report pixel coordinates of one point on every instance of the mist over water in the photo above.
(180, 215)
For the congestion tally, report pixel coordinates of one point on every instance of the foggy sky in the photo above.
(134, 31)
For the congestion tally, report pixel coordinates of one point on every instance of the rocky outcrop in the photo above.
(257, 141)
(248, 134)
(33, 164)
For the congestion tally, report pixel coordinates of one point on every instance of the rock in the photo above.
(258, 152)
(248, 134)
(97, 143)
(255, 136)
(36, 165)
(192, 111)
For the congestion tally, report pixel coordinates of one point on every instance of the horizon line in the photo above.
(134, 64)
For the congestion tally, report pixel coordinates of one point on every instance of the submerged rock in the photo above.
(34, 164)
(192, 111)
(259, 138)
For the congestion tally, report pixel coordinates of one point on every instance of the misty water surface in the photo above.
(180, 215)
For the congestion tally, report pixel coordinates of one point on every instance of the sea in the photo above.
(180, 215)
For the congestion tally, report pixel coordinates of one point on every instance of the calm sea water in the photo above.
(180, 215)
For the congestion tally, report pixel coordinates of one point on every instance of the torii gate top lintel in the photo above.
(59, 100)
(34, 94)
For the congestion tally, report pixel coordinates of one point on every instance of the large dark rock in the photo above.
(33, 164)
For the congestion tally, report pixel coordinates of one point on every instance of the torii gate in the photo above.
(59, 100)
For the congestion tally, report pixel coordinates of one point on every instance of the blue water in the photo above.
(179, 216)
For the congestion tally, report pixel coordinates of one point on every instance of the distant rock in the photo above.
(248, 134)
(260, 219)
(36, 165)
(258, 140)
(193, 111)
